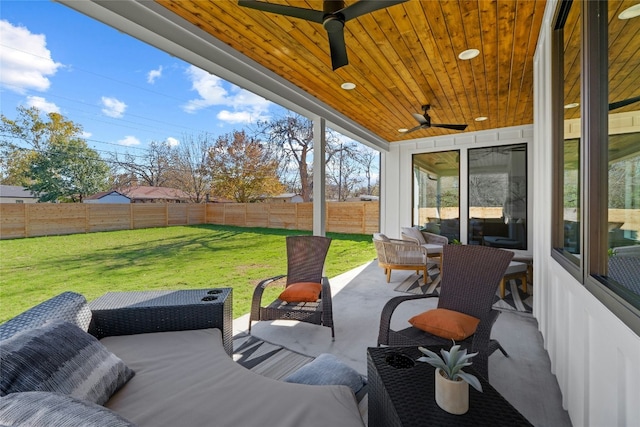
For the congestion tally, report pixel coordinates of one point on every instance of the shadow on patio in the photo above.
(524, 379)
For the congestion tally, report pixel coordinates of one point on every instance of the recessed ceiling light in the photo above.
(348, 86)
(572, 105)
(403, 130)
(630, 12)
(469, 54)
(481, 119)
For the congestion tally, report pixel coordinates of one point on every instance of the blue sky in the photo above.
(122, 92)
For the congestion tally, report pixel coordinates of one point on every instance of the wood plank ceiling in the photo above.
(399, 59)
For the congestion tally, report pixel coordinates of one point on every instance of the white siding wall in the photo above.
(593, 354)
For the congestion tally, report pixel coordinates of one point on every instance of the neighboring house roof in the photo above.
(15, 191)
(102, 194)
(155, 193)
(283, 196)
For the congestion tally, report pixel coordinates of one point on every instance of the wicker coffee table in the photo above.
(404, 394)
(124, 313)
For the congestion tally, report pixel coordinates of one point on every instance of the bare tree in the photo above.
(153, 168)
(292, 138)
(342, 168)
(369, 159)
(191, 172)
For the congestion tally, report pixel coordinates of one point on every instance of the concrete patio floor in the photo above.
(524, 379)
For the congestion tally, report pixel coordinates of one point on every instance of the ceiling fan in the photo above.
(332, 17)
(425, 122)
(623, 103)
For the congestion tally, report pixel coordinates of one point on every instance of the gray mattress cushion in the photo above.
(186, 378)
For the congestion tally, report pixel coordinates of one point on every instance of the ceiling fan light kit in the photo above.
(333, 17)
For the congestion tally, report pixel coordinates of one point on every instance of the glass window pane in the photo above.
(623, 215)
(498, 196)
(436, 197)
(571, 150)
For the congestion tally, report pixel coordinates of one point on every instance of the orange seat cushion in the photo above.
(301, 292)
(446, 323)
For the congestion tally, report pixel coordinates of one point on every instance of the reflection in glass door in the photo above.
(498, 196)
(436, 200)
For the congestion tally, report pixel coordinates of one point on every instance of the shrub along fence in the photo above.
(45, 219)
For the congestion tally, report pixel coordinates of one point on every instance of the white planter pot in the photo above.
(452, 396)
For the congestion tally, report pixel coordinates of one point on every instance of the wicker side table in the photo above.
(402, 393)
(127, 313)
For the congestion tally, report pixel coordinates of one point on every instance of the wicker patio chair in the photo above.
(305, 263)
(470, 278)
(395, 254)
(433, 243)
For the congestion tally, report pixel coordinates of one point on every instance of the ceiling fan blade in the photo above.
(415, 128)
(338, 49)
(420, 118)
(623, 103)
(292, 11)
(447, 126)
(366, 6)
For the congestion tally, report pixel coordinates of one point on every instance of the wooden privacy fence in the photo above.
(45, 219)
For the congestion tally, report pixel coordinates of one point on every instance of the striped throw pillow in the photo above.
(41, 408)
(62, 358)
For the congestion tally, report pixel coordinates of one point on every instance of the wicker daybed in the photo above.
(184, 375)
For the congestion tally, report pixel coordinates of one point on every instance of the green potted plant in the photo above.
(452, 383)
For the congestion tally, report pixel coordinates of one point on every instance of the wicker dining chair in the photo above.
(469, 280)
(305, 264)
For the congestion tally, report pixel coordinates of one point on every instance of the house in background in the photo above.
(283, 198)
(143, 194)
(16, 194)
(111, 196)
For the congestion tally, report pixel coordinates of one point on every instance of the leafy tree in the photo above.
(67, 171)
(242, 169)
(49, 158)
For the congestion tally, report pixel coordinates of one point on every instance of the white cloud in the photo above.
(246, 107)
(42, 104)
(86, 135)
(153, 75)
(129, 141)
(113, 107)
(172, 141)
(234, 116)
(26, 61)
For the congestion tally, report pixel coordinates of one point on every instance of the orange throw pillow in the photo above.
(446, 323)
(301, 292)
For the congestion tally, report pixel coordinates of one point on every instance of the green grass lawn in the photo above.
(182, 257)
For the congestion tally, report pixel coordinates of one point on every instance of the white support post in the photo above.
(319, 160)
